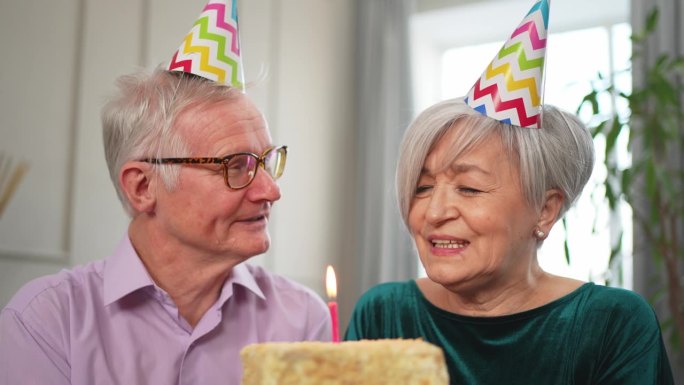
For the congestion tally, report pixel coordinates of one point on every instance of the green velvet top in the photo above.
(594, 335)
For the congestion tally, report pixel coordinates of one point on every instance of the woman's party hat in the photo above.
(511, 88)
(212, 47)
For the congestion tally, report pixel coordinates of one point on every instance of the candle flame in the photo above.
(331, 282)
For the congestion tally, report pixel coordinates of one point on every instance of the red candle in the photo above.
(331, 288)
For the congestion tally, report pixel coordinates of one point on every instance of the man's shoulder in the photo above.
(58, 288)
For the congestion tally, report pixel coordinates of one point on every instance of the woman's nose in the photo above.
(442, 206)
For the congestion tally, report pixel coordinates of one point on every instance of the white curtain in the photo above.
(668, 38)
(384, 108)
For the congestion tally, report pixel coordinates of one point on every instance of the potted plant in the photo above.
(653, 184)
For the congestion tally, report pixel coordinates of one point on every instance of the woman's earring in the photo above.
(539, 234)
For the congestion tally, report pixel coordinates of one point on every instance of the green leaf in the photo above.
(610, 196)
(592, 99)
(652, 20)
(664, 88)
(616, 249)
(598, 129)
(657, 256)
(651, 181)
(674, 339)
(659, 294)
(678, 64)
(651, 23)
(664, 180)
(626, 182)
(611, 137)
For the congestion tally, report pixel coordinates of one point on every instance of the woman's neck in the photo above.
(497, 298)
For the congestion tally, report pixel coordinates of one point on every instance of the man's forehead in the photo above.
(220, 129)
(221, 115)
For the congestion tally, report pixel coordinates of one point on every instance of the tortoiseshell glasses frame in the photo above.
(239, 169)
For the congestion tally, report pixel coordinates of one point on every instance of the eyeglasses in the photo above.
(239, 169)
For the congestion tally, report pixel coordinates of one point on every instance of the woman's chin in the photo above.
(441, 276)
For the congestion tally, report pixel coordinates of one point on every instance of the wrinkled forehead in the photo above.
(219, 113)
(221, 128)
(464, 135)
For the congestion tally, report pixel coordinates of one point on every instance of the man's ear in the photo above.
(553, 202)
(136, 180)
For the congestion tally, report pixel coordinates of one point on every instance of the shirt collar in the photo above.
(124, 273)
(242, 276)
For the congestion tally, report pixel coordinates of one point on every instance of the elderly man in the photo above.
(193, 163)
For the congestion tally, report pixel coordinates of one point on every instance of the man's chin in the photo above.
(258, 248)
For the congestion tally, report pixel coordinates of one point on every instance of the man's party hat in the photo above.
(212, 47)
(511, 88)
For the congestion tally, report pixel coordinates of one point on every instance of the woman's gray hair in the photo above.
(559, 155)
(138, 121)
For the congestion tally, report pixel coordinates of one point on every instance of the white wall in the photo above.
(62, 69)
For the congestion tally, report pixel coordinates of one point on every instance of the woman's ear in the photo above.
(136, 180)
(553, 202)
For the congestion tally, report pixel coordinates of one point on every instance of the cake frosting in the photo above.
(366, 362)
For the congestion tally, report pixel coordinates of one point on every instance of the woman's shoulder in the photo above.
(388, 297)
(387, 310)
(620, 333)
(615, 297)
(388, 290)
(617, 304)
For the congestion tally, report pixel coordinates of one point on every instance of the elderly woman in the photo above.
(479, 197)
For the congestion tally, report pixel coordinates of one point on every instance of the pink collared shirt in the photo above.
(108, 323)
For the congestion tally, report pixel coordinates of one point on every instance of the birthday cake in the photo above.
(377, 362)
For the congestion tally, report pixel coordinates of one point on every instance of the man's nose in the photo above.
(264, 187)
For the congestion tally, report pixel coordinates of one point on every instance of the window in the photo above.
(445, 65)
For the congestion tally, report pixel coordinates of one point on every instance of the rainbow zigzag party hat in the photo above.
(212, 47)
(511, 88)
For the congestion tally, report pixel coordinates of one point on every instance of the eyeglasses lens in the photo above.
(240, 170)
(274, 162)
